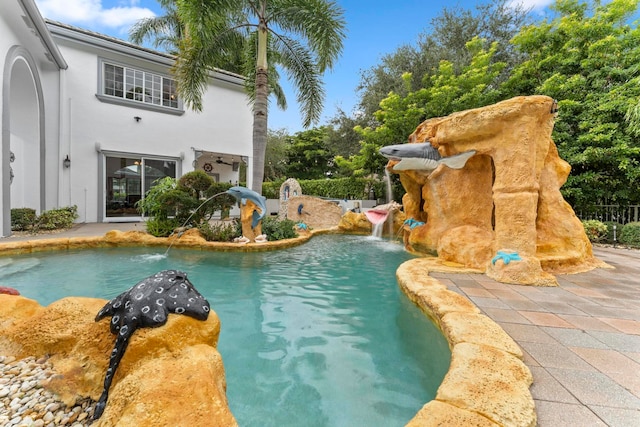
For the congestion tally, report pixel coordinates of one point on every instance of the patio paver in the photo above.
(580, 340)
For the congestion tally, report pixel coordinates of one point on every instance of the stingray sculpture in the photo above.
(147, 304)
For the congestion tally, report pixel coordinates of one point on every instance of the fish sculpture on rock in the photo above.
(147, 305)
(423, 156)
(242, 194)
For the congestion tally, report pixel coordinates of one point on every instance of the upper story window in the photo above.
(128, 84)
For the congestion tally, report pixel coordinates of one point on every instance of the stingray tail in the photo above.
(457, 161)
(116, 355)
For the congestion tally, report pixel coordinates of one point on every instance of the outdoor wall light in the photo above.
(66, 162)
(137, 118)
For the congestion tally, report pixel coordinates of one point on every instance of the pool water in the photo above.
(317, 335)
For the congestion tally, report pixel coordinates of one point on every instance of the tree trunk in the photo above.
(260, 111)
(259, 130)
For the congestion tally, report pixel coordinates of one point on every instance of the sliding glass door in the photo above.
(128, 179)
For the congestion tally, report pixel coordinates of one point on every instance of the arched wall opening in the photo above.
(25, 137)
(22, 136)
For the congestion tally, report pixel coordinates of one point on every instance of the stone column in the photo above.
(246, 218)
(518, 165)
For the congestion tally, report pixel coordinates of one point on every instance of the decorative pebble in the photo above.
(24, 403)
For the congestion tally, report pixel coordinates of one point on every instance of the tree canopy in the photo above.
(308, 156)
(587, 57)
(446, 38)
(444, 92)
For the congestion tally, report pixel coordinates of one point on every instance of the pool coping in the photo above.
(487, 382)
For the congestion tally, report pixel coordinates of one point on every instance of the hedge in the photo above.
(596, 230)
(25, 219)
(339, 188)
(630, 234)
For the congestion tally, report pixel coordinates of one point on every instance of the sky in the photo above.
(375, 28)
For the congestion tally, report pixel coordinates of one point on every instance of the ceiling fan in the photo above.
(222, 162)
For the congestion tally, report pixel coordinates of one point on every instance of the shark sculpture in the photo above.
(147, 304)
(423, 156)
(242, 194)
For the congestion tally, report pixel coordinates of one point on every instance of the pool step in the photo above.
(8, 266)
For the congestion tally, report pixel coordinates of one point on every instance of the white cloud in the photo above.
(119, 16)
(535, 5)
(92, 13)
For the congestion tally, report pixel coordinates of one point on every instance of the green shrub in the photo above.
(152, 205)
(55, 219)
(161, 227)
(278, 230)
(630, 234)
(596, 230)
(219, 232)
(195, 182)
(221, 201)
(610, 225)
(23, 219)
(188, 202)
(185, 208)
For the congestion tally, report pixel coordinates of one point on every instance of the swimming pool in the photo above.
(317, 335)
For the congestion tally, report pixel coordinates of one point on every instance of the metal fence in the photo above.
(615, 213)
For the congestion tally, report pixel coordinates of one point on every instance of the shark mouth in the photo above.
(376, 216)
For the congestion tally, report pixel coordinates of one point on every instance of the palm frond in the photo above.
(319, 23)
(192, 71)
(164, 31)
(300, 67)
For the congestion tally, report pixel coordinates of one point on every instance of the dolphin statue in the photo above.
(422, 156)
(242, 194)
(147, 304)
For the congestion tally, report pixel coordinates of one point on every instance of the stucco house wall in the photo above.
(29, 67)
(53, 108)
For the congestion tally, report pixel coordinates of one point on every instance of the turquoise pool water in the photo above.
(317, 335)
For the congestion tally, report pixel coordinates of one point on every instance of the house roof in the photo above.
(112, 43)
(40, 28)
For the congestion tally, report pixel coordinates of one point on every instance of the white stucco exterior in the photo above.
(54, 107)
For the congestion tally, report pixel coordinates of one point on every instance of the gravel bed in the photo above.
(25, 403)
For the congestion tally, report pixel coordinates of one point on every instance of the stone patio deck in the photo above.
(580, 340)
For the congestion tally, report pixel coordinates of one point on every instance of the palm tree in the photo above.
(165, 32)
(302, 37)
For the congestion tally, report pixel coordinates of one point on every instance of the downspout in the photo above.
(61, 135)
(69, 127)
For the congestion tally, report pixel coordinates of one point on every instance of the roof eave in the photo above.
(42, 31)
(130, 49)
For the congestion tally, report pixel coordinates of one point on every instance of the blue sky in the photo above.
(374, 28)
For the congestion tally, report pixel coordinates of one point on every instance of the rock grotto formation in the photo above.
(506, 198)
